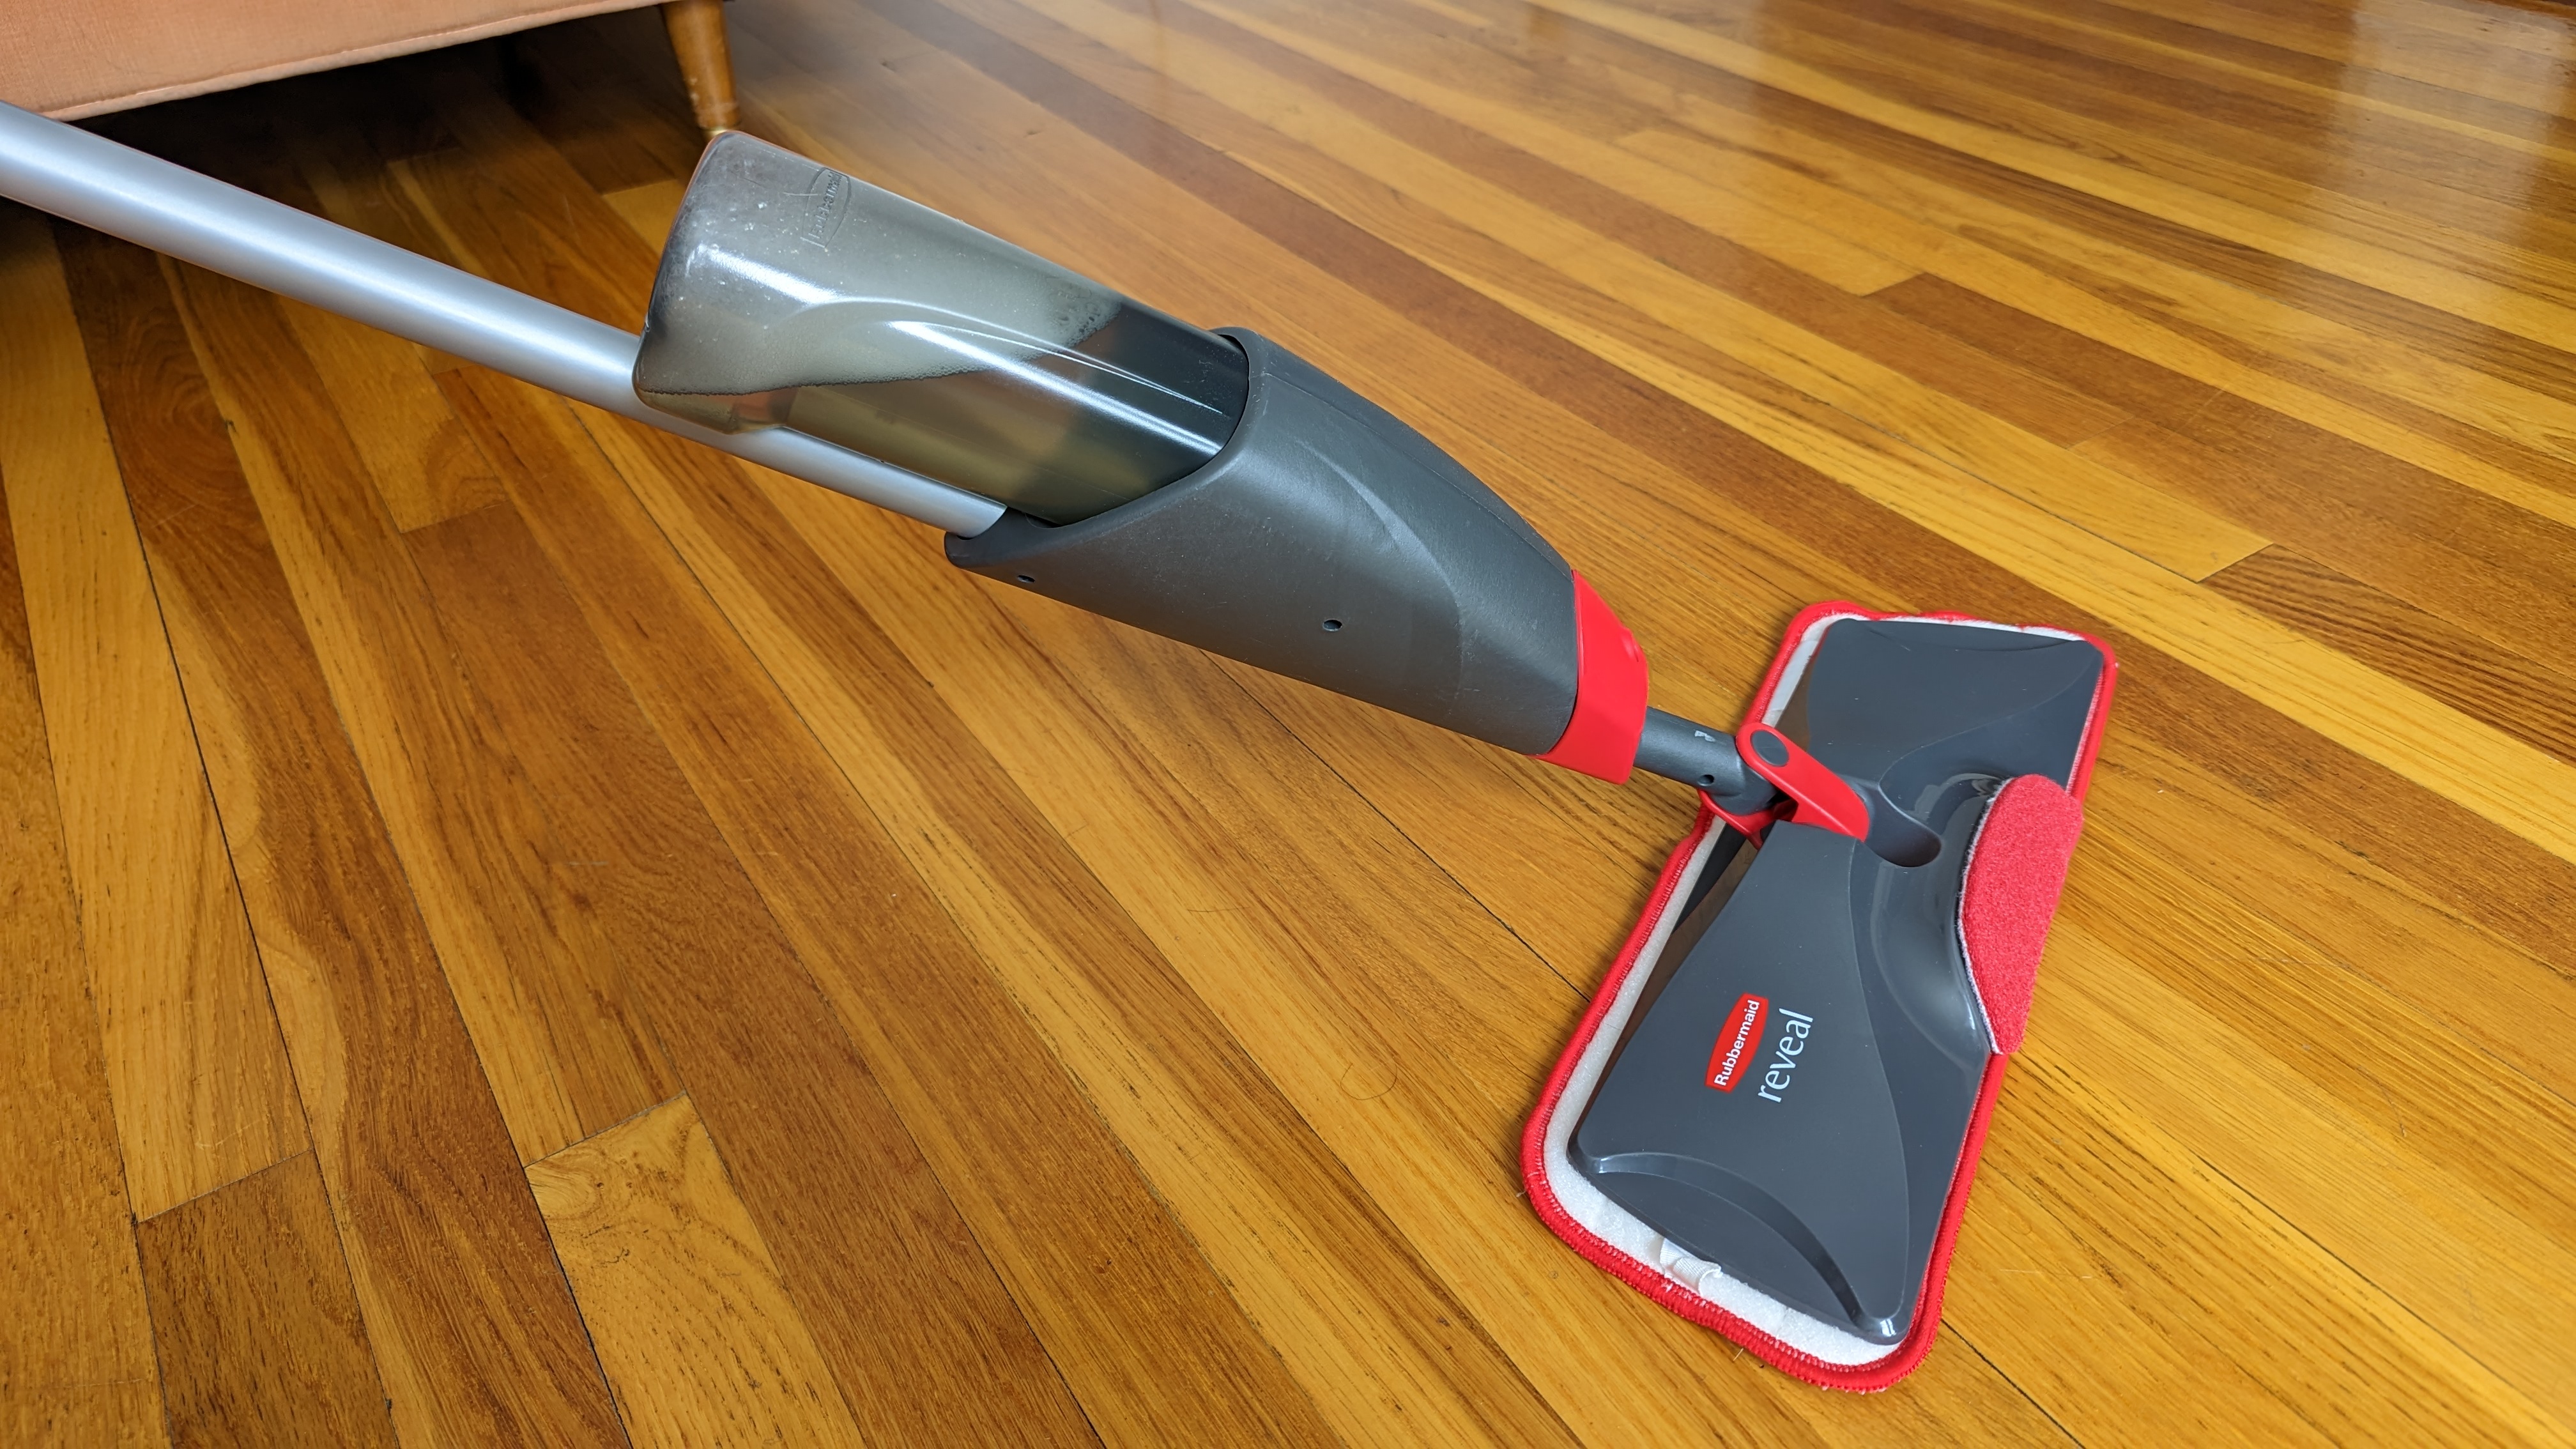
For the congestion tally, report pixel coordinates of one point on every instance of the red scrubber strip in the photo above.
(2015, 871)
(1901, 1360)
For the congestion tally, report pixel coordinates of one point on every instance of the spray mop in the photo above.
(1769, 1117)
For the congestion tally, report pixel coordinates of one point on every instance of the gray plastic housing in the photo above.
(1822, 1181)
(1331, 543)
(1703, 758)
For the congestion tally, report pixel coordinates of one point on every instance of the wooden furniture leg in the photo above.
(698, 39)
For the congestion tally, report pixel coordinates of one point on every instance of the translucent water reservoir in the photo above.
(791, 295)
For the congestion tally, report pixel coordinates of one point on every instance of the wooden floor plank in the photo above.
(2140, 387)
(2272, 67)
(1721, 235)
(2211, 1236)
(2343, 900)
(1915, 359)
(2361, 267)
(76, 1362)
(2130, 266)
(2409, 1231)
(2258, 976)
(485, 191)
(354, 172)
(474, 1332)
(2532, 701)
(2508, 61)
(660, 631)
(1343, 46)
(423, 466)
(2254, 80)
(203, 1092)
(2383, 522)
(1993, 207)
(647, 209)
(2211, 293)
(2360, 821)
(701, 1341)
(1997, 259)
(258, 1329)
(2458, 203)
(1109, 1282)
(1575, 173)
(2314, 463)
(862, 1232)
(524, 957)
(2491, 773)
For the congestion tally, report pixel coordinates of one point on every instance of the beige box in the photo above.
(82, 59)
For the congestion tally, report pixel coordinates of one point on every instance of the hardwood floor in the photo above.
(515, 929)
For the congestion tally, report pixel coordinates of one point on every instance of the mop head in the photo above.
(1773, 1260)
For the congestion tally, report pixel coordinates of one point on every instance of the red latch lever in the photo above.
(1819, 797)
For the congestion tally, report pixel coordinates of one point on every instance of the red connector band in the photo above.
(1609, 694)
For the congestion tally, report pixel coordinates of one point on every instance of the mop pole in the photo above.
(125, 193)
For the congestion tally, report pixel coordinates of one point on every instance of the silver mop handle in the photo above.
(125, 193)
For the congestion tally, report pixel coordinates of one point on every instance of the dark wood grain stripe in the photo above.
(2524, 699)
(257, 1326)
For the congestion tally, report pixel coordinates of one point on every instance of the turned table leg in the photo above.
(698, 39)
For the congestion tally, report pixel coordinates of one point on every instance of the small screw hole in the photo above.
(1028, 578)
(1332, 624)
(1708, 779)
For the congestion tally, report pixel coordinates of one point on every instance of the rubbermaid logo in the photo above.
(1735, 1041)
(823, 212)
